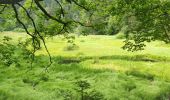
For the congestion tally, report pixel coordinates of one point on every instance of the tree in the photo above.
(143, 20)
(36, 5)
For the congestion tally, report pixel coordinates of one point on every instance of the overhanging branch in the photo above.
(41, 37)
(10, 1)
(3, 9)
(47, 14)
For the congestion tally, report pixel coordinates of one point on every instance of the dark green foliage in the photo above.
(69, 1)
(146, 20)
(66, 94)
(94, 95)
(71, 43)
(131, 46)
(7, 51)
(69, 61)
(44, 77)
(11, 54)
(27, 80)
(83, 86)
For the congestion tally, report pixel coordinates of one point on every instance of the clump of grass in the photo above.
(26, 80)
(4, 95)
(150, 58)
(140, 74)
(44, 77)
(96, 60)
(71, 47)
(66, 94)
(120, 36)
(79, 55)
(82, 40)
(69, 61)
(33, 82)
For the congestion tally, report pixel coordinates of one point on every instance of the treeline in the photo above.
(95, 17)
(140, 20)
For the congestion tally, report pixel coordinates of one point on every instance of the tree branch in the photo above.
(41, 37)
(61, 8)
(80, 5)
(47, 14)
(3, 9)
(17, 17)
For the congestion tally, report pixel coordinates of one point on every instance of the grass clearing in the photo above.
(99, 60)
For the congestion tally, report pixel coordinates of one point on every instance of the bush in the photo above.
(120, 36)
(83, 87)
(12, 54)
(67, 94)
(7, 51)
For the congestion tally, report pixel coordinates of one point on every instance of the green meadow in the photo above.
(98, 61)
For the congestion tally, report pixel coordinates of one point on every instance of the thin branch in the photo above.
(47, 14)
(61, 8)
(59, 32)
(33, 37)
(36, 32)
(3, 9)
(31, 6)
(41, 37)
(80, 5)
(17, 17)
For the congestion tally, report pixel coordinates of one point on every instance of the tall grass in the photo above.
(112, 73)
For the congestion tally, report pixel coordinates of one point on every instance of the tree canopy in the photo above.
(140, 20)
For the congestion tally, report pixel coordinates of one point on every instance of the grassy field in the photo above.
(99, 61)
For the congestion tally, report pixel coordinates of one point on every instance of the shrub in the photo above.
(83, 87)
(7, 51)
(94, 95)
(120, 36)
(12, 54)
(67, 94)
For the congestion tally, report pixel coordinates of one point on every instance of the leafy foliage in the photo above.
(92, 95)
(140, 20)
(146, 20)
(11, 54)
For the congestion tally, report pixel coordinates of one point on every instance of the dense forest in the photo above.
(84, 49)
